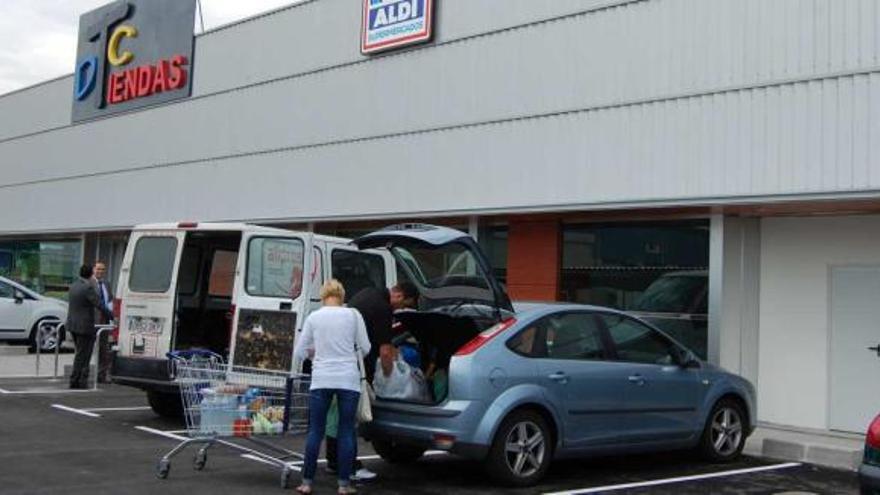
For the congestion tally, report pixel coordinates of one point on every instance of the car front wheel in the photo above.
(724, 435)
(521, 452)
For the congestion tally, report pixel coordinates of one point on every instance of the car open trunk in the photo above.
(458, 296)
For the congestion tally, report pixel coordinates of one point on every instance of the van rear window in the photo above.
(275, 267)
(153, 264)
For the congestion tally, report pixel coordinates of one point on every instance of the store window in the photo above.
(47, 267)
(493, 242)
(658, 271)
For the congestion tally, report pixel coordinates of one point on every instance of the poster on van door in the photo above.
(264, 339)
(389, 24)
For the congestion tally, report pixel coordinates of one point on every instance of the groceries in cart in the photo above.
(240, 411)
(228, 405)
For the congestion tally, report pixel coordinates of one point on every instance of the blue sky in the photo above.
(40, 35)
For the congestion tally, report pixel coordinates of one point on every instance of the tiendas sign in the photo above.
(133, 53)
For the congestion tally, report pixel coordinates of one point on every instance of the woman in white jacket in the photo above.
(331, 337)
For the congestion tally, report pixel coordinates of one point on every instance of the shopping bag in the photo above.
(365, 406)
(404, 382)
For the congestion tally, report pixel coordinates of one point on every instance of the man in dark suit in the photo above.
(82, 302)
(105, 297)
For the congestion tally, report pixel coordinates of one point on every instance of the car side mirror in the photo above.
(688, 360)
(19, 296)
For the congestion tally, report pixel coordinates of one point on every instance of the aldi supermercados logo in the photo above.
(131, 54)
(394, 23)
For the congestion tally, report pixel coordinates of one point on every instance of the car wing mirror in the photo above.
(19, 297)
(688, 360)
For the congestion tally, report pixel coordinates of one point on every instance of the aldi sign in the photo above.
(391, 24)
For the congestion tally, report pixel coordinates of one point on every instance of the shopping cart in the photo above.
(233, 405)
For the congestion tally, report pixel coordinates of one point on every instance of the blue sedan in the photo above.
(522, 387)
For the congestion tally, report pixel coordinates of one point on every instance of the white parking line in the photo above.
(680, 479)
(166, 434)
(76, 411)
(3, 391)
(113, 409)
(43, 391)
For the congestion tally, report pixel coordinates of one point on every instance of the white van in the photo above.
(236, 289)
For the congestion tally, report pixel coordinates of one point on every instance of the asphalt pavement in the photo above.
(108, 442)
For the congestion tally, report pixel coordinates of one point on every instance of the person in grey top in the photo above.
(82, 302)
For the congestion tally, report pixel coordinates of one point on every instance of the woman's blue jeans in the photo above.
(319, 403)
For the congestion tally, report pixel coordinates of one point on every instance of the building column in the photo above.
(534, 259)
(734, 294)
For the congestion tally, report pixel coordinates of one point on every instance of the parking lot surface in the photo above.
(109, 441)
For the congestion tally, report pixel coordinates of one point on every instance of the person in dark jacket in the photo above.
(82, 302)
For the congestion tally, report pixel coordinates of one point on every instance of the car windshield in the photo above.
(447, 273)
(673, 294)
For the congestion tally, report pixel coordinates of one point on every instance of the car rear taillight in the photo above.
(484, 337)
(117, 315)
(872, 443)
(187, 225)
(873, 438)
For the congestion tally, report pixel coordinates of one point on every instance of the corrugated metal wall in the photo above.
(627, 102)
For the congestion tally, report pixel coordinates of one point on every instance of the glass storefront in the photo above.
(658, 270)
(48, 267)
(493, 242)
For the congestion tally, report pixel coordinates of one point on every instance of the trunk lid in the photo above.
(446, 265)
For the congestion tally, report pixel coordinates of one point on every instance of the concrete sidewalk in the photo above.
(16, 362)
(823, 448)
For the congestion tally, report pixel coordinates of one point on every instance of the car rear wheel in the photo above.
(167, 405)
(724, 435)
(46, 335)
(521, 452)
(396, 453)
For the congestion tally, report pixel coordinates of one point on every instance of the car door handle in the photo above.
(637, 379)
(559, 377)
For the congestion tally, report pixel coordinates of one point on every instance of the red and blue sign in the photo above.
(132, 54)
(391, 24)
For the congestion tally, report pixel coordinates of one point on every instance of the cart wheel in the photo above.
(163, 468)
(285, 478)
(201, 459)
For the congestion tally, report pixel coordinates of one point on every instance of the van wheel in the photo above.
(724, 435)
(521, 452)
(396, 453)
(165, 404)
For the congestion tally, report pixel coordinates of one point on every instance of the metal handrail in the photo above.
(38, 345)
(101, 329)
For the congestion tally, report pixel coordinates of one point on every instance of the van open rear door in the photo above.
(270, 299)
(148, 284)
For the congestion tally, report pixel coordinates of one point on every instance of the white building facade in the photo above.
(593, 146)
